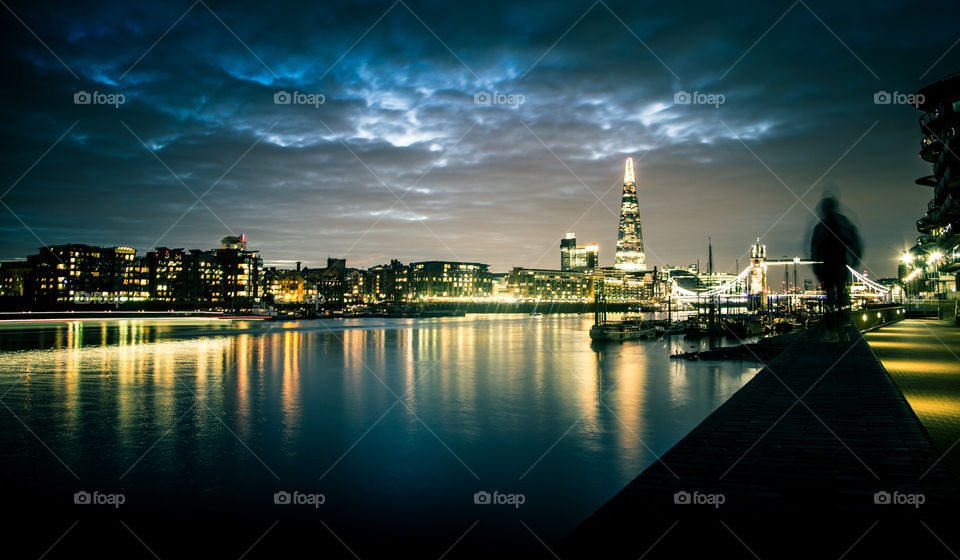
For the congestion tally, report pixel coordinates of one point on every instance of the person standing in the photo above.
(834, 246)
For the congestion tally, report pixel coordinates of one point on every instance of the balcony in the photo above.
(931, 147)
(925, 226)
(936, 93)
(948, 184)
(950, 178)
(928, 120)
(951, 266)
(950, 209)
(943, 118)
(942, 151)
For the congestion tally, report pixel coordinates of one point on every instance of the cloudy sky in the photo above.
(401, 161)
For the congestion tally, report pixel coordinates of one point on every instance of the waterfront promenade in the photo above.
(819, 456)
(921, 356)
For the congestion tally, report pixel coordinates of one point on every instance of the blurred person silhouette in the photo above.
(835, 244)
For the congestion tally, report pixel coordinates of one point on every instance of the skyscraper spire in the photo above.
(630, 256)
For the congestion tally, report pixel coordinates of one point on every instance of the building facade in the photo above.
(578, 257)
(533, 284)
(77, 273)
(450, 280)
(389, 283)
(167, 272)
(284, 286)
(630, 256)
(223, 278)
(930, 267)
(14, 279)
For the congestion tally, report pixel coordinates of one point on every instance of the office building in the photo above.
(577, 257)
(548, 285)
(388, 283)
(450, 280)
(630, 256)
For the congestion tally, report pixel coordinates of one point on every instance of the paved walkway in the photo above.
(921, 356)
(804, 460)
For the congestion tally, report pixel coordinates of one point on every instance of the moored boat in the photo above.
(671, 329)
(616, 331)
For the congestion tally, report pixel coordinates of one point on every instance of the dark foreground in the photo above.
(819, 456)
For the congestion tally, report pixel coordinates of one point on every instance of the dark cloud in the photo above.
(497, 184)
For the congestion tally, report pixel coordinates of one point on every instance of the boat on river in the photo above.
(616, 331)
(669, 329)
(628, 328)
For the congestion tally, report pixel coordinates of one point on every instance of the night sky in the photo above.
(494, 183)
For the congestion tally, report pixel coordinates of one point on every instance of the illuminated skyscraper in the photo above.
(630, 255)
(568, 247)
(578, 257)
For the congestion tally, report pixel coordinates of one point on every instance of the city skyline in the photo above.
(629, 254)
(401, 151)
(633, 261)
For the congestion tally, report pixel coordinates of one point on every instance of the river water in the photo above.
(393, 424)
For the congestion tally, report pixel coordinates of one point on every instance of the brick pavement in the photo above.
(795, 477)
(921, 356)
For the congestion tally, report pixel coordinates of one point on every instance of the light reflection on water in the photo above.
(391, 418)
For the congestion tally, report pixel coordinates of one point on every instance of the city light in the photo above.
(415, 329)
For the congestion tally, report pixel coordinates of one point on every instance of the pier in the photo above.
(818, 456)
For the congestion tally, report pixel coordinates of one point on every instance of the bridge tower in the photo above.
(757, 277)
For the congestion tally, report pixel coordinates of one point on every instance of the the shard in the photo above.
(630, 255)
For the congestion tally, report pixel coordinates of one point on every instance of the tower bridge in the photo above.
(752, 282)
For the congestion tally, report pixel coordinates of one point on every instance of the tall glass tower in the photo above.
(630, 255)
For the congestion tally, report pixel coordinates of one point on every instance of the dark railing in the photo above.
(876, 316)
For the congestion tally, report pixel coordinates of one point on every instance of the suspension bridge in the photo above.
(751, 281)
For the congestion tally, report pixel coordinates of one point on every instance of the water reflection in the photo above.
(176, 409)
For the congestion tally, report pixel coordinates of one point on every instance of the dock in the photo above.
(818, 456)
